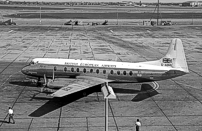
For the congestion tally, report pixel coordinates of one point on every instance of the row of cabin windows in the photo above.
(97, 71)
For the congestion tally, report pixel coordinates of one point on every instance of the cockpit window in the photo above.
(31, 63)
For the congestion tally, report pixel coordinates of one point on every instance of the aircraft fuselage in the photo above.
(115, 74)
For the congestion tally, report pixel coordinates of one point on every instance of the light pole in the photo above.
(192, 16)
(106, 113)
(158, 13)
(117, 16)
(108, 94)
(40, 14)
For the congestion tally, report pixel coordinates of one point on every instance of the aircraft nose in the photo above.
(24, 70)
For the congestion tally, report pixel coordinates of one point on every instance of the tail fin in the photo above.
(175, 56)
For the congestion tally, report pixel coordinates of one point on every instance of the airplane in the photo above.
(92, 73)
(140, 4)
(76, 22)
(70, 22)
(105, 22)
(7, 22)
(97, 23)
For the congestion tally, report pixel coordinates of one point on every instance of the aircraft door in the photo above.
(41, 70)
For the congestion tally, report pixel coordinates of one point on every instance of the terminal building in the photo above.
(192, 3)
(126, 3)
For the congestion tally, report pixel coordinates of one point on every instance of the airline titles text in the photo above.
(90, 64)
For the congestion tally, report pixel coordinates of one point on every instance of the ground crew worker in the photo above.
(10, 115)
(138, 125)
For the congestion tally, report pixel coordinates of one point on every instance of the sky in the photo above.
(148, 1)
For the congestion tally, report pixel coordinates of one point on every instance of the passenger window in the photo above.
(84, 70)
(124, 72)
(91, 70)
(118, 72)
(104, 71)
(77, 70)
(97, 71)
(65, 69)
(55, 68)
(72, 69)
(112, 72)
(130, 73)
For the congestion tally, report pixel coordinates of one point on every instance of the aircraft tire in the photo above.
(84, 94)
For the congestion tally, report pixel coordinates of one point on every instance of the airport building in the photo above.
(192, 3)
(126, 3)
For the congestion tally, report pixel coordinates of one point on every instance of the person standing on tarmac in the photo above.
(10, 115)
(138, 125)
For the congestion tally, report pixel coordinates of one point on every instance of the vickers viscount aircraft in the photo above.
(90, 73)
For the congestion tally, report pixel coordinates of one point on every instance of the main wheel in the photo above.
(38, 82)
(84, 94)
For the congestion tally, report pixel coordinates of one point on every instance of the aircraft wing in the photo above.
(81, 83)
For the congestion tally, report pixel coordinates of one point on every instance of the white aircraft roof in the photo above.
(95, 63)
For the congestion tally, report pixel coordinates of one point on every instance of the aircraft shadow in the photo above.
(23, 83)
(146, 91)
(55, 103)
(126, 91)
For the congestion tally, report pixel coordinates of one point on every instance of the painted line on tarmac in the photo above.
(30, 124)
(155, 87)
(8, 79)
(59, 119)
(187, 85)
(188, 92)
(115, 122)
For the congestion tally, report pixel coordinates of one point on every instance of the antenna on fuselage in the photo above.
(54, 69)
(116, 58)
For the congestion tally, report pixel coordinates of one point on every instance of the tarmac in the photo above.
(175, 106)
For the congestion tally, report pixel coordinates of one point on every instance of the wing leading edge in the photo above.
(82, 83)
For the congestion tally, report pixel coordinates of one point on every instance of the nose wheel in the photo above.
(38, 82)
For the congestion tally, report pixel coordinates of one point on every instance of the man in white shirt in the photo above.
(138, 125)
(10, 115)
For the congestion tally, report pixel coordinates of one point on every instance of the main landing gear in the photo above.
(45, 85)
(44, 88)
(38, 82)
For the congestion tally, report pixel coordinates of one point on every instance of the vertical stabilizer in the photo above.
(175, 56)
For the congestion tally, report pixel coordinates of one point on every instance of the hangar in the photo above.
(192, 3)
